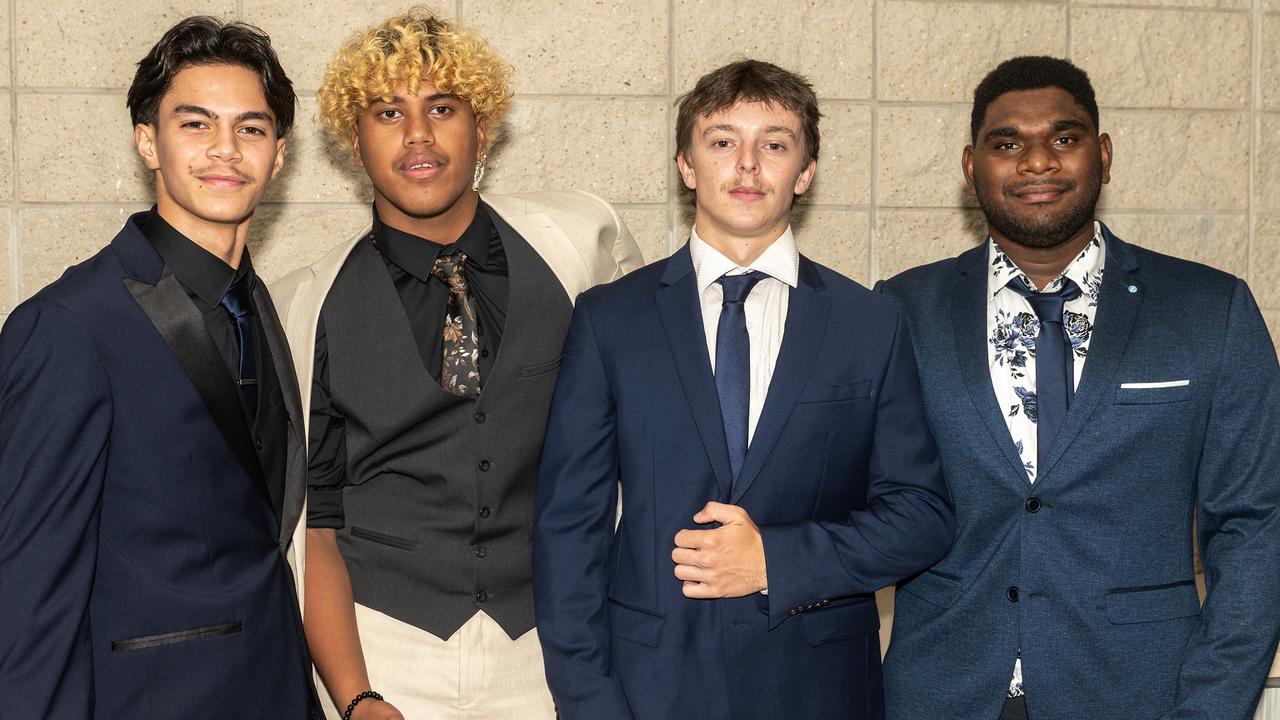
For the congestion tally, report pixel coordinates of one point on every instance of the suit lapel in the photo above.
(282, 361)
(680, 310)
(1117, 311)
(969, 323)
(183, 330)
(807, 312)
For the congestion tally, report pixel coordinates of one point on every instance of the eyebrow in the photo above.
(726, 127)
(207, 113)
(430, 98)
(1058, 126)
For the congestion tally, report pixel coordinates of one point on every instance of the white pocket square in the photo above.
(1154, 385)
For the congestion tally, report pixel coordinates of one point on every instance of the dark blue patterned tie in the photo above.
(733, 364)
(1055, 363)
(236, 302)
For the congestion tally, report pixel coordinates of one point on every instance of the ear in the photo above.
(279, 163)
(686, 172)
(1104, 147)
(482, 139)
(806, 177)
(355, 148)
(144, 136)
(966, 165)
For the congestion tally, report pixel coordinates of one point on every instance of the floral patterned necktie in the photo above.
(459, 366)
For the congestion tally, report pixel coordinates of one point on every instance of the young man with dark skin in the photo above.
(150, 478)
(430, 344)
(763, 417)
(1090, 400)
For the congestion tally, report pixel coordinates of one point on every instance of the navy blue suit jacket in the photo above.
(841, 476)
(1106, 615)
(142, 572)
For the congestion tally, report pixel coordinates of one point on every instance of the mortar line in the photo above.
(873, 182)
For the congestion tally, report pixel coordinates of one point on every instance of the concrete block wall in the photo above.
(1190, 93)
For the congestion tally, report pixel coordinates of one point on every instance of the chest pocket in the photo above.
(838, 392)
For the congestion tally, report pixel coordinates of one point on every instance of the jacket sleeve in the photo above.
(55, 420)
(573, 532)
(1238, 513)
(908, 523)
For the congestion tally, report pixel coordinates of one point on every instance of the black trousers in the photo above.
(1015, 708)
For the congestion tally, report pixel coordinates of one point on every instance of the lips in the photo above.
(420, 167)
(1040, 192)
(746, 192)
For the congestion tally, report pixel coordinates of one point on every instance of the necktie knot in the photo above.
(448, 269)
(236, 299)
(1048, 306)
(738, 287)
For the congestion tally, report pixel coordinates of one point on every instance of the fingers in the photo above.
(693, 573)
(700, 591)
(697, 539)
(685, 556)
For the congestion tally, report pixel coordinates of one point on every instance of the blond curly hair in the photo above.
(409, 48)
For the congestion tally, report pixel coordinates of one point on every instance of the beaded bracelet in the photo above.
(356, 701)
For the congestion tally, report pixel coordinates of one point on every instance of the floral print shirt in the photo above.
(1012, 328)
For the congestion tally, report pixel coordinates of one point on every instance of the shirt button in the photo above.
(484, 512)
(480, 418)
(484, 466)
(481, 551)
(482, 596)
(1033, 505)
(1012, 593)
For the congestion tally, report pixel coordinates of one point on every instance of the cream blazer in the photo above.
(580, 237)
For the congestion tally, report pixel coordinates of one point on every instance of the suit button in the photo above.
(481, 551)
(1012, 593)
(484, 512)
(258, 443)
(1033, 505)
(482, 596)
(793, 611)
(480, 418)
(484, 352)
(484, 466)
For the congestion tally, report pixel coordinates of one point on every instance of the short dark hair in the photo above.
(1031, 72)
(204, 40)
(751, 81)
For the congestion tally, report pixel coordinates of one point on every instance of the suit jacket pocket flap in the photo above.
(541, 368)
(1153, 603)
(635, 625)
(840, 622)
(1152, 395)
(934, 587)
(828, 392)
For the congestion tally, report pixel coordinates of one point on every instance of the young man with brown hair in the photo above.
(743, 389)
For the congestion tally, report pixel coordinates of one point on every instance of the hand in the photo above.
(727, 561)
(373, 709)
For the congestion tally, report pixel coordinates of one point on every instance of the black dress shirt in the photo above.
(409, 260)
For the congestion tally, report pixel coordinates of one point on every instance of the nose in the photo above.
(1039, 158)
(748, 162)
(418, 130)
(226, 145)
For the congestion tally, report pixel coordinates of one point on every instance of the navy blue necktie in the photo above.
(236, 302)
(733, 364)
(1055, 363)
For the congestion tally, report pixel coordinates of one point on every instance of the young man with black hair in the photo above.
(151, 469)
(1090, 399)
(763, 415)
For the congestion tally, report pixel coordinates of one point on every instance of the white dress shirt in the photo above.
(765, 308)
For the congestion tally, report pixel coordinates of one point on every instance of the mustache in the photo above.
(731, 185)
(1024, 185)
(223, 171)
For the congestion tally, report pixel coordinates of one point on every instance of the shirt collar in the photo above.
(199, 270)
(780, 260)
(1083, 270)
(417, 255)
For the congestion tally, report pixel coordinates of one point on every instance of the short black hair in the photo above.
(204, 40)
(1031, 72)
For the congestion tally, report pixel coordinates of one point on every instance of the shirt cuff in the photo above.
(324, 508)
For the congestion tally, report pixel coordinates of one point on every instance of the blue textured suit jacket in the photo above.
(142, 569)
(841, 476)
(1106, 614)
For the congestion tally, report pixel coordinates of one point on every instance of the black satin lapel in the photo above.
(969, 322)
(183, 330)
(807, 312)
(681, 319)
(282, 361)
(1113, 324)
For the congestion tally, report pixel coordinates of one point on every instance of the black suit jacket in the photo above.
(142, 567)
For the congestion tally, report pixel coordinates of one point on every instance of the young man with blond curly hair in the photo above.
(431, 344)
